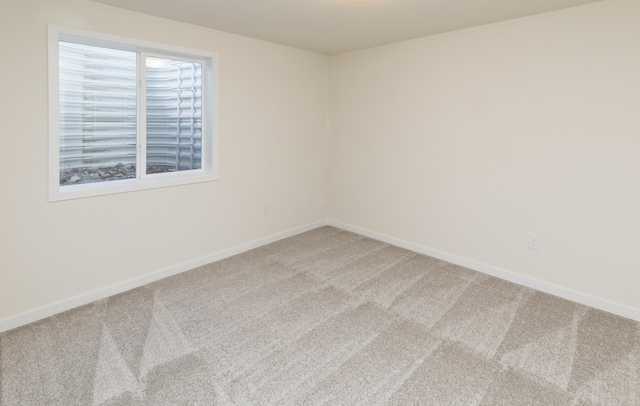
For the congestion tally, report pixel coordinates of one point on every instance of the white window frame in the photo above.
(209, 166)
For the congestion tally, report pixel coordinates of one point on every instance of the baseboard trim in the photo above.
(86, 298)
(83, 299)
(565, 293)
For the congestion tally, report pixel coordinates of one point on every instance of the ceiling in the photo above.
(335, 26)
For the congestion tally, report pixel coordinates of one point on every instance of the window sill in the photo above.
(69, 192)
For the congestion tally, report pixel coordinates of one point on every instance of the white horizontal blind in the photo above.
(174, 115)
(97, 113)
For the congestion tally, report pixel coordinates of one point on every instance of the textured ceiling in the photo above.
(334, 26)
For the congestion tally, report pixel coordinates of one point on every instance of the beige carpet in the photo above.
(326, 317)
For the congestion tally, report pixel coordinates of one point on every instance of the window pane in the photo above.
(97, 114)
(174, 115)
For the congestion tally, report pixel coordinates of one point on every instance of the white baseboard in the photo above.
(81, 300)
(522, 280)
(86, 298)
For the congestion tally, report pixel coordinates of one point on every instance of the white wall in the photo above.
(273, 148)
(465, 142)
(462, 142)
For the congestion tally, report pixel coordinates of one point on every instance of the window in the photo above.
(128, 115)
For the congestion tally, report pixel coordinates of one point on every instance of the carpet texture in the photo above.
(325, 317)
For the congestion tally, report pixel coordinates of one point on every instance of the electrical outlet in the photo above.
(265, 209)
(534, 241)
